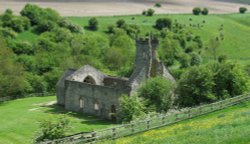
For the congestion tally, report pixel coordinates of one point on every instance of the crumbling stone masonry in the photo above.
(90, 91)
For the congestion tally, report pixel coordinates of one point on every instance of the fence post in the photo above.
(113, 133)
(132, 128)
(176, 117)
(163, 120)
(189, 113)
(148, 121)
(94, 136)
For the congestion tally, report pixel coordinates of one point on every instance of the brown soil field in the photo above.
(123, 7)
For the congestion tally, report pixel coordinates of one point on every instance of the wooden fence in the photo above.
(144, 125)
(7, 98)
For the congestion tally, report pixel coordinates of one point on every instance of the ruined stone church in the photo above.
(88, 90)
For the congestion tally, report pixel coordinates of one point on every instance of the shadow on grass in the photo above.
(86, 119)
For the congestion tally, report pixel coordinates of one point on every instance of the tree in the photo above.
(163, 23)
(93, 24)
(195, 59)
(204, 11)
(52, 128)
(213, 47)
(157, 93)
(242, 10)
(230, 79)
(130, 108)
(150, 12)
(195, 87)
(196, 11)
(120, 23)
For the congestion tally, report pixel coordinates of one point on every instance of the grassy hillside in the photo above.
(20, 119)
(228, 126)
(236, 29)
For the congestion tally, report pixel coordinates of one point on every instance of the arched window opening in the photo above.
(96, 106)
(113, 113)
(89, 80)
(81, 103)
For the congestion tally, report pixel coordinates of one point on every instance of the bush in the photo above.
(157, 5)
(205, 11)
(195, 59)
(7, 33)
(45, 25)
(120, 23)
(131, 107)
(184, 60)
(242, 10)
(157, 93)
(52, 128)
(111, 29)
(163, 23)
(93, 24)
(71, 26)
(22, 48)
(144, 12)
(230, 79)
(196, 11)
(222, 58)
(195, 87)
(150, 12)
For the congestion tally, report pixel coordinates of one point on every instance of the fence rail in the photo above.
(144, 125)
(7, 98)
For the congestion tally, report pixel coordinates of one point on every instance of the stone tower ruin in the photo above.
(90, 91)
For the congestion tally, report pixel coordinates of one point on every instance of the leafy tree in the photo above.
(157, 93)
(163, 23)
(242, 10)
(45, 25)
(195, 87)
(196, 11)
(157, 5)
(195, 59)
(230, 79)
(74, 28)
(204, 11)
(93, 24)
(184, 60)
(37, 83)
(130, 108)
(7, 33)
(12, 79)
(120, 23)
(22, 48)
(150, 12)
(52, 128)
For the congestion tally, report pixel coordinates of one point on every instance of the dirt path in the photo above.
(122, 7)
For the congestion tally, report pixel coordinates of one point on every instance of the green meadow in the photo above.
(228, 126)
(20, 119)
(236, 30)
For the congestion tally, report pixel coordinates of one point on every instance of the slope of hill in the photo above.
(228, 126)
(234, 27)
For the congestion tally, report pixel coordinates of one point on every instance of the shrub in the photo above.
(7, 33)
(45, 25)
(150, 12)
(222, 58)
(195, 59)
(205, 11)
(230, 79)
(71, 26)
(157, 5)
(93, 24)
(120, 23)
(195, 87)
(157, 93)
(242, 10)
(184, 60)
(163, 23)
(22, 48)
(196, 11)
(131, 107)
(52, 128)
(111, 29)
(144, 12)
(37, 83)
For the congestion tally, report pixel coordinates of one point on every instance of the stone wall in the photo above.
(105, 97)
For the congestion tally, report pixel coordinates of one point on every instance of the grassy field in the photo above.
(20, 119)
(228, 126)
(236, 29)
